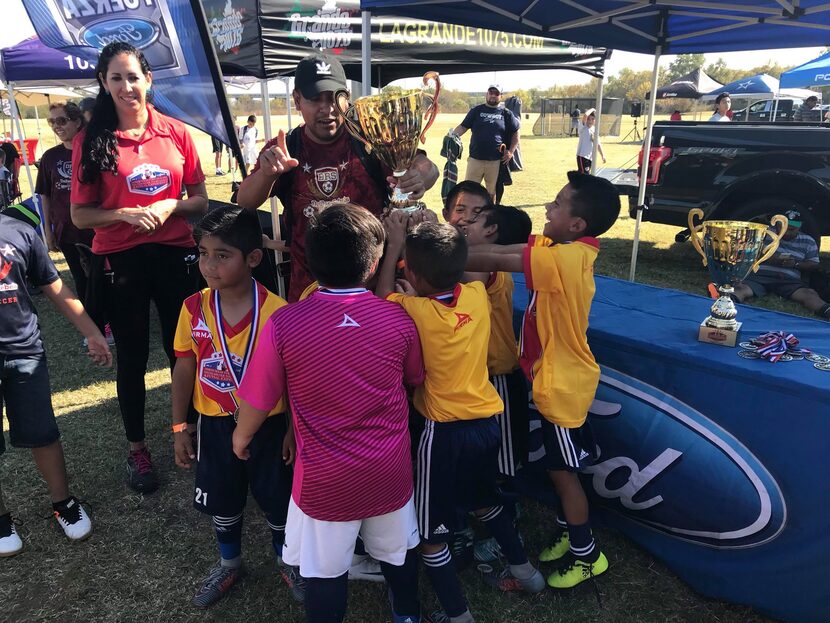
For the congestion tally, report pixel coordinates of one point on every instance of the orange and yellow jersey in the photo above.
(454, 330)
(214, 391)
(311, 289)
(502, 351)
(554, 352)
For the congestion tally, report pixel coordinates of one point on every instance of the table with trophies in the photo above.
(716, 463)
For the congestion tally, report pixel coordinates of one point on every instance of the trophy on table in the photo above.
(390, 125)
(731, 250)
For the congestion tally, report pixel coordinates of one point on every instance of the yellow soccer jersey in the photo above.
(214, 391)
(554, 350)
(311, 289)
(454, 335)
(502, 351)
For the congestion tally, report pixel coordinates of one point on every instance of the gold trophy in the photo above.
(390, 125)
(731, 250)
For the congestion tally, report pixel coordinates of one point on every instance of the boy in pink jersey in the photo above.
(345, 358)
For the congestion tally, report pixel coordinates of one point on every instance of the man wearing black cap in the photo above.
(490, 126)
(320, 164)
(787, 271)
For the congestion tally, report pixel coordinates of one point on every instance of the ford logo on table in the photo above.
(667, 466)
(137, 32)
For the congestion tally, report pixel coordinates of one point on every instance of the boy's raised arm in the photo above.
(496, 257)
(395, 226)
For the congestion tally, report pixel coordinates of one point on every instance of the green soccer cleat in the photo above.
(577, 571)
(561, 546)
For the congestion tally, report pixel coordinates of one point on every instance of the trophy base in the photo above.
(718, 335)
(407, 206)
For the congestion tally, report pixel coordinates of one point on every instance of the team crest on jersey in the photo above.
(327, 180)
(65, 169)
(462, 319)
(201, 331)
(214, 371)
(148, 179)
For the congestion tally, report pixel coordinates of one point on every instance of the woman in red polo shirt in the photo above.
(129, 167)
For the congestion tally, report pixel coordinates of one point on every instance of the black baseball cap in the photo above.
(318, 73)
(88, 103)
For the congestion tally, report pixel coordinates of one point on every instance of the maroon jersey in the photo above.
(327, 174)
(54, 178)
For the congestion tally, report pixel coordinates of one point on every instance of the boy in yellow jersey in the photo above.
(555, 356)
(215, 338)
(456, 466)
(503, 225)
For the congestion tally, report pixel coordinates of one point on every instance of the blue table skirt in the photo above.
(718, 465)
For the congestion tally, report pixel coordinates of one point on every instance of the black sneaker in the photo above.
(292, 578)
(141, 476)
(218, 582)
(10, 543)
(73, 520)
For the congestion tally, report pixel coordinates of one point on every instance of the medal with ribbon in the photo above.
(237, 376)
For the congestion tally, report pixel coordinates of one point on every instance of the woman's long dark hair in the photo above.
(100, 148)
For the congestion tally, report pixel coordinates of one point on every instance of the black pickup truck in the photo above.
(741, 171)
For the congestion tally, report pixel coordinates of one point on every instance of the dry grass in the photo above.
(147, 553)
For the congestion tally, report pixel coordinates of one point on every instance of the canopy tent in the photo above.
(815, 73)
(31, 64)
(266, 39)
(759, 86)
(691, 86)
(646, 26)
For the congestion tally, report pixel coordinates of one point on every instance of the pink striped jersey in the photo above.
(346, 358)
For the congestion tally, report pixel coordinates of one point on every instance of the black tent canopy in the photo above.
(693, 85)
(266, 39)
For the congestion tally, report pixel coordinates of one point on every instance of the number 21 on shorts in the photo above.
(201, 497)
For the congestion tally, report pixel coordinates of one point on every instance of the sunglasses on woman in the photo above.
(58, 121)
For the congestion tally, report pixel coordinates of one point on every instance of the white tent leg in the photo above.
(594, 165)
(641, 193)
(288, 102)
(275, 214)
(16, 120)
(366, 52)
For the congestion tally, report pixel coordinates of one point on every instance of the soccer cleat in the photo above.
(364, 567)
(141, 476)
(74, 521)
(218, 582)
(487, 550)
(561, 546)
(507, 582)
(436, 616)
(577, 571)
(10, 543)
(401, 618)
(292, 578)
(220, 172)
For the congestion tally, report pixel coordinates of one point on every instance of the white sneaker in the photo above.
(73, 519)
(220, 172)
(364, 567)
(10, 543)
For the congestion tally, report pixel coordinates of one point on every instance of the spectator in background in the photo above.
(12, 163)
(5, 182)
(724, 106)
(87, 105)
(575, 114)
(676, 116)
(585, 146)
(808, 111)
(218, 148)
(248, 138)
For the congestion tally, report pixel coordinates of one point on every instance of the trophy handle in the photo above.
(351, 127)
(432, 111)
(694, 231)
(772, 247)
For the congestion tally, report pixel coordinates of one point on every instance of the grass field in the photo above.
(147, 553)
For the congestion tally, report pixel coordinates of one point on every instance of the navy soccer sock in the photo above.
(582, 542)
(403, 585)
(229, 536)
(325, 599)
(500, 524)
(277, 533)
(442, 576)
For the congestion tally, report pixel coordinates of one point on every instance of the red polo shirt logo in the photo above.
(148, 179)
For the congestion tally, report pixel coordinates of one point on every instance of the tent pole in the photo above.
(275, 213)
(596, 123)
(641, 193)
(288, 101)
(366, 52)
(775, 109)
(16, 120)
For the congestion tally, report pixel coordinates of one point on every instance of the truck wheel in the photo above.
(762, 210)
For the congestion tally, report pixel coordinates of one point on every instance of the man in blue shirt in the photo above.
(492, 129)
